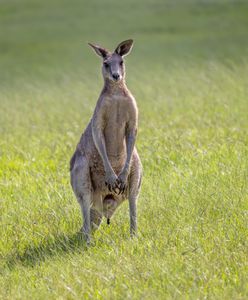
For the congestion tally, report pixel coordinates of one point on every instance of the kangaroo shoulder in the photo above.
(132, 105)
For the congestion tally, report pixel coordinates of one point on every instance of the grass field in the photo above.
(188, 71)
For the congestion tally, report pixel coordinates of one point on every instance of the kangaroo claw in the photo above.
(123, 189)
(121, 186)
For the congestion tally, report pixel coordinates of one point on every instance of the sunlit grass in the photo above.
(191, 87)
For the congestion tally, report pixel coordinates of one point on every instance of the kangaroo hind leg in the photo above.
(81, 185)
(133, 193)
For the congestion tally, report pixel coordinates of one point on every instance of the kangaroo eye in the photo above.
(121, 63)
(106, 65)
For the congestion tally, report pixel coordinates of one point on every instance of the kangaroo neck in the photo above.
(112, 87)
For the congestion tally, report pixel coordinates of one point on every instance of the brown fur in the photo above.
(105, 168)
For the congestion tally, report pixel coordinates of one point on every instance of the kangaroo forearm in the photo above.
(101, 147)
(130, 141)
(102, 151)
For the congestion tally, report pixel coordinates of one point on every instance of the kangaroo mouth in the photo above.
(116, 78)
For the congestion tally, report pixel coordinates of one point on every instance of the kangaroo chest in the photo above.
(116, 118)
(116, 112)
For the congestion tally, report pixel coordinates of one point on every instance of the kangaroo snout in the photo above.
(116, 76)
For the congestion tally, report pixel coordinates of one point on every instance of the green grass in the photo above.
(188, 71)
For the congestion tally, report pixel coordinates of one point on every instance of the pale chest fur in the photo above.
(118, 112)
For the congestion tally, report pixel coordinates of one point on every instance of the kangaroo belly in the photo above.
(115, 142)
(97, 171)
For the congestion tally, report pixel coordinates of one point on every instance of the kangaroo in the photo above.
(105, 167)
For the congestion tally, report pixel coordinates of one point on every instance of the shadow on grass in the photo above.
(34, 255)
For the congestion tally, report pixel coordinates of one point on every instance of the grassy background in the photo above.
(188, 71)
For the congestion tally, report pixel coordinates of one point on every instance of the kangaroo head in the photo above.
(113, 67)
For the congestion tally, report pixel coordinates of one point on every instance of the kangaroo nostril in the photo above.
(116, 76)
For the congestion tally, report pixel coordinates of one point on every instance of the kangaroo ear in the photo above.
(100, 51)
(124, 47)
